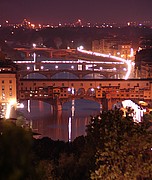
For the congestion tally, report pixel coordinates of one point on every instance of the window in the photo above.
(3, 88)
(90, 84)
(62, 84)
(2, 81)
(81, 84)
(10, 87)
(10, 93)
(71, 84)
(10, 81)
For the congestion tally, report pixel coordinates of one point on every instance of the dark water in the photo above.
(63, 125)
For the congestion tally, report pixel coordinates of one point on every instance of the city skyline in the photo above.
(69, 11)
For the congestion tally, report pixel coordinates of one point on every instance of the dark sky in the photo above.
(54, 11)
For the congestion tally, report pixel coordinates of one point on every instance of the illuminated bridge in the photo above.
(80, 60)
(106, 91)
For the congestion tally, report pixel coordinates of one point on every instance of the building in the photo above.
(8, 92)
(143, 63)
(113, 46)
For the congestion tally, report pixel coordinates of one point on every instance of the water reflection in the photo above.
(63, 125)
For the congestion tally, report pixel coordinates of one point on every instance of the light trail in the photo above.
(128, 62)
(68, 62)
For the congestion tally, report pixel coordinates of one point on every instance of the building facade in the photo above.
(8, 84)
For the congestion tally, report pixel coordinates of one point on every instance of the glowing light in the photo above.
(131, 52)
(33, 26)
(81, 48)
(8, 108)
(137, 113)
(70, 128)
(28, 106)
(112, 57)
(20, 105)
(56, 67)
(34, 45)
(92, 89)
(69, 89)
(129, 69)
(72, 67)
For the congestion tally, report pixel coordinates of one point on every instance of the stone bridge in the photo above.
(103, 91)
(78, 73)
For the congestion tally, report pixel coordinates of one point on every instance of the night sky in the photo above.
(55, 11)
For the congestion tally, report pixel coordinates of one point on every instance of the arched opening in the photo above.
(81, 92)
(83, 105)
(35, 76)
(91, 92)
(64, 75)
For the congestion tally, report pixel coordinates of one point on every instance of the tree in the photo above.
(58, 42)
(123, 147)
(16, 161)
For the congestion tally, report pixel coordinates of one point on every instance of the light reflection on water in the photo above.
(55, 124)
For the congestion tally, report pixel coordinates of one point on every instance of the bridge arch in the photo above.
(34, 75)
(91, 92)
(81, 92)
(64, 74)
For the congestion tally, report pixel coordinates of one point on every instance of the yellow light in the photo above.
(9, 106)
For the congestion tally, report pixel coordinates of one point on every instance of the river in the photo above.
(63, 125)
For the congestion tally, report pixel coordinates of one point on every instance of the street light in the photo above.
(42, 67)
(34, 45)
(81, 47)
(56, 67)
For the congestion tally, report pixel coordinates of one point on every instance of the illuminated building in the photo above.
(8, 95)
(113, 47)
